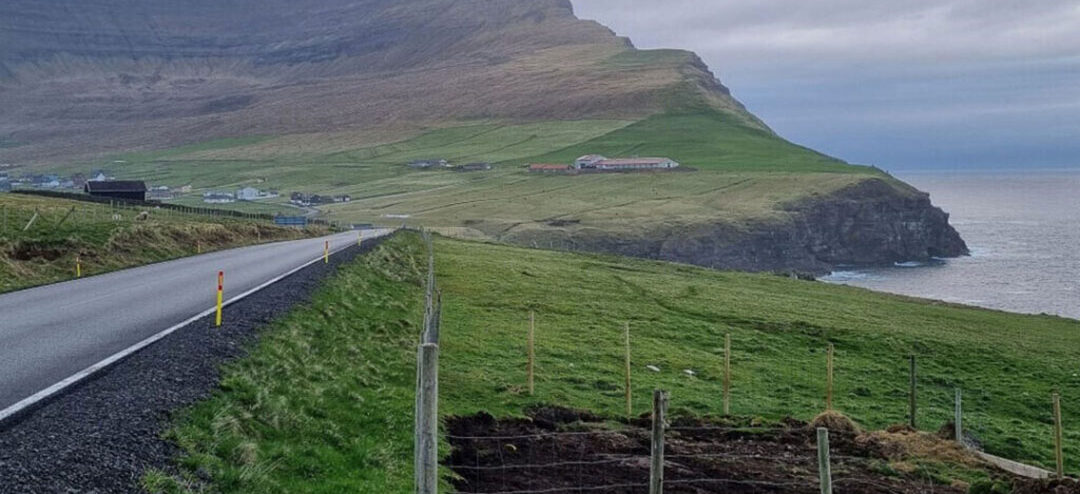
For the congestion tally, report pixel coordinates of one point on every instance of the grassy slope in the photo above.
(322, 404)
(743, 174)
(1007, 364)
(709, 141)
(46, 252)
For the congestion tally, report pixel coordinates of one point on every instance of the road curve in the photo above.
(51, 334)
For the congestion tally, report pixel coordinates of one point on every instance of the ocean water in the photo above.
(1023, 229)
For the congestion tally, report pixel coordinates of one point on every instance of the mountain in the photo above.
(334, 97)
(79, 78)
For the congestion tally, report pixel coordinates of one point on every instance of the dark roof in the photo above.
(116, 186)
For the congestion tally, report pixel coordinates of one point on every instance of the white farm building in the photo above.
(598, 162)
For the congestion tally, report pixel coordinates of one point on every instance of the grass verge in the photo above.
(323, 403)
(66, 230)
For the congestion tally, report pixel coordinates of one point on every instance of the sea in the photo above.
(1023, 230)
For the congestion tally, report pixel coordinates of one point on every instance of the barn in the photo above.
(132, 190)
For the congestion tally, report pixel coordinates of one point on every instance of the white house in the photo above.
(248, 194)
(588, 161)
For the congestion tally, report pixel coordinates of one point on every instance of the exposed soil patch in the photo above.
(28, 251)
(557, 450)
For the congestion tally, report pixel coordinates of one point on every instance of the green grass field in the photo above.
(744, 174)
(323, 402)
(1006, 364)
(66, 230)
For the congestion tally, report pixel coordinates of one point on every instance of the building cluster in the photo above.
(86, 183)
(50, 181)
(302, 199)
(596, 162)
(243, 194)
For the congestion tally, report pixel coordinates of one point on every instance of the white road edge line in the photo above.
(116, 357)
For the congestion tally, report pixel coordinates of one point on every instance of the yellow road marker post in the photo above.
(326, 252)
(78, 267)
(220, 291)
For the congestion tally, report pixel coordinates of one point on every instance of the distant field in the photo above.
(742, 173)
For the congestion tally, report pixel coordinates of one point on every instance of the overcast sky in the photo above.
(900, 84)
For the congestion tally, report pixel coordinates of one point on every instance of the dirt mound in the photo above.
(560, 450)
(1046, 486)
(836, 422)
(551, 417)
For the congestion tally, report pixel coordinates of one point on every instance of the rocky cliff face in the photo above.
(871, 223)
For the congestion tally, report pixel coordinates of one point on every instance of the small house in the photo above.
(248, 194)
(98, 176)
(132, 190)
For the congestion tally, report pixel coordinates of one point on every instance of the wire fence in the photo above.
(715, 456)
(620, 456)
(693, 459)
(130, 204)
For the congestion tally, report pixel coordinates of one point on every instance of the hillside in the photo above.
(299, 414)
(239, 94)
(79, 79)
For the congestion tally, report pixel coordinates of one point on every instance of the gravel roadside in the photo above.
(100, 436)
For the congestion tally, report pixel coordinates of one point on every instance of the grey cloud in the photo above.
(897, 83)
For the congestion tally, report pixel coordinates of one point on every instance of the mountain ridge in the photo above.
(85, 79)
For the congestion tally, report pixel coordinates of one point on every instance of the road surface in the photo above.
(51, 336)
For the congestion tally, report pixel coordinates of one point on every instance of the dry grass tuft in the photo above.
(901, 443)
(835, 422)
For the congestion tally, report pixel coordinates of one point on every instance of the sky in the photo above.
(912, 84)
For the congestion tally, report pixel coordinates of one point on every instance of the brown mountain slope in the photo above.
(84, 78)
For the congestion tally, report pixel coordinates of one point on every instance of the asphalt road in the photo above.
(51, 333)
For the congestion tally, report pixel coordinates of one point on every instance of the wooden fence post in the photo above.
(912, 397)
(958, 419)
(1058, 453)
(629, 405)
(427, 423)
(829, 378)
(656, 466)
(727, 374)
(32, 219)
(824, 468)
(532, 352)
